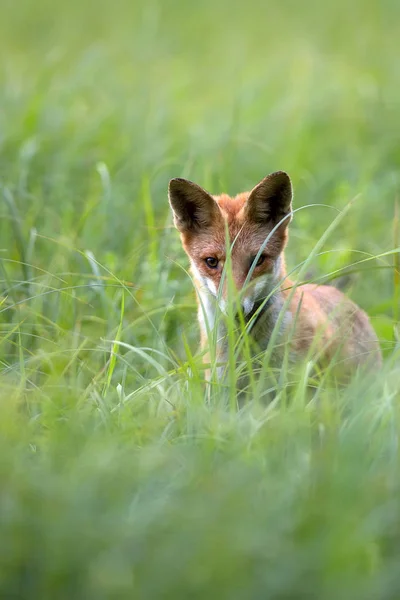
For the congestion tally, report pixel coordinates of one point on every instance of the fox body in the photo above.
(316, 319)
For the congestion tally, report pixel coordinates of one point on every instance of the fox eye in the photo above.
(260, 261)
(211, 262)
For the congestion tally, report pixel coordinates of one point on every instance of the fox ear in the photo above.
(192, 206)
(271, 200)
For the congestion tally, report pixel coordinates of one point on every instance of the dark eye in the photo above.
(259, 262)
(212, 262)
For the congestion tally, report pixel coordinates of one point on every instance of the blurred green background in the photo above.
(116, 478)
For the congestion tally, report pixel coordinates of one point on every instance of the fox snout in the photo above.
(240, 292)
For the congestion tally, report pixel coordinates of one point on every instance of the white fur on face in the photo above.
(257, 290)
(205, 281)
(207, 304)
(223, 306)
(206, 312)
(247, 305)
(211, 286)
(196, 272)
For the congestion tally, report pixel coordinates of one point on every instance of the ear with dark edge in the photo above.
(192, 206)
(271, 200)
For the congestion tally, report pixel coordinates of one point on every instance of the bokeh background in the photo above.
(116, 477)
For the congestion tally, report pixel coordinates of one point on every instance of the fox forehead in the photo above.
(232, 208)
(246, 236)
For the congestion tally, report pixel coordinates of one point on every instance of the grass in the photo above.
(117, 478)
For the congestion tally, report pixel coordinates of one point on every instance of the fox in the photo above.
(316, 319)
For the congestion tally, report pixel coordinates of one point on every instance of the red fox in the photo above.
(323, 319)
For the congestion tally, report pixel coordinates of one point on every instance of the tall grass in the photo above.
(120, 475)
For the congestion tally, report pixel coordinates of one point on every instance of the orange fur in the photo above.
(327, 322)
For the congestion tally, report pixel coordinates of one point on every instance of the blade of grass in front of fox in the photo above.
(271, 233)
(261, 250)
(286, 304)
(283, 375)
(342, 327)
(245, 346)
(347, 269)
(213, 331)
(344, 270)
(315, 351)
(229, 247)
(231, 300)
(243, 335)
(288, 275)
(225, 275)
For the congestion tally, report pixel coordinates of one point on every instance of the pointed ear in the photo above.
(271, 200)
(192, 206)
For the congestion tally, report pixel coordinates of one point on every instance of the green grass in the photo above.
(117, 478)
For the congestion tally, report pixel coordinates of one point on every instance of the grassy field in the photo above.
(117, 478)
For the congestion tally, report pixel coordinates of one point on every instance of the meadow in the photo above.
(119, 477)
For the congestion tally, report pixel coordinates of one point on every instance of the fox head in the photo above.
(249, 218)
